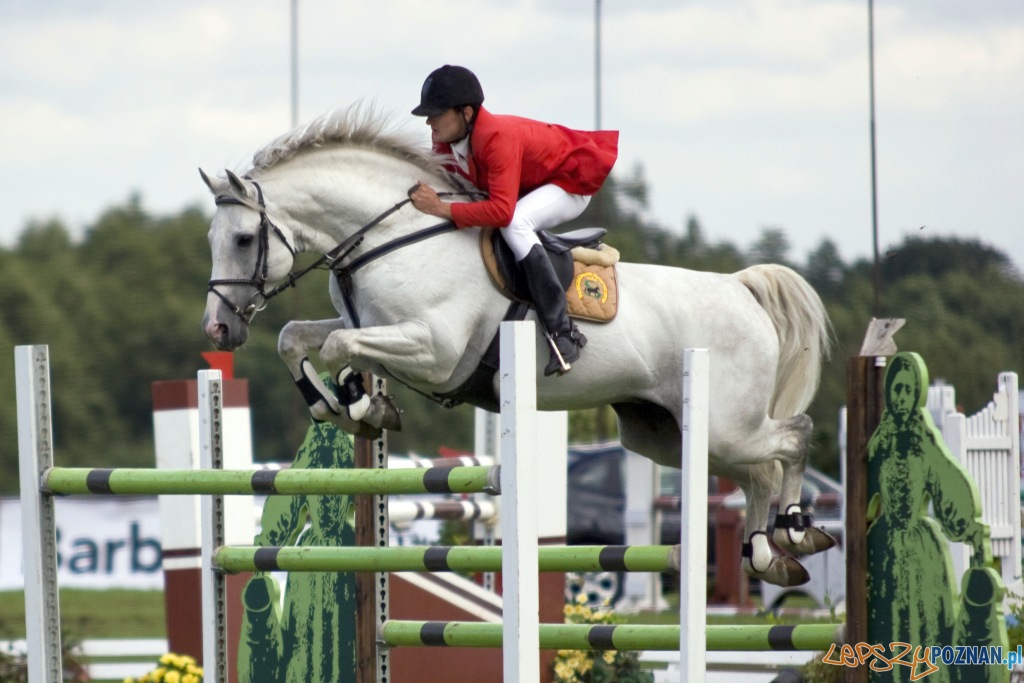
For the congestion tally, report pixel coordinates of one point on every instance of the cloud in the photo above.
(746, 113)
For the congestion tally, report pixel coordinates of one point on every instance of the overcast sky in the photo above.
(746, 113)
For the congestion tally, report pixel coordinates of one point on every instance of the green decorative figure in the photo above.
(911, 586)
(314, 641)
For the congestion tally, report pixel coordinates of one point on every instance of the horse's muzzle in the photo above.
(226, 337)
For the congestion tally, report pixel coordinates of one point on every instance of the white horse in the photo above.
(422, 311)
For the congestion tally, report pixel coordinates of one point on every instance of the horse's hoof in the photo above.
(813, 540)
(783, 571)
(383, 414)
(366, 431)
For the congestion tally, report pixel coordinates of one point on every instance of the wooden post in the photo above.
(865, 376)
(864, 405)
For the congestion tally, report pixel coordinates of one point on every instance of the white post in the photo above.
(693, 560)
(211, 452)
(38, 521)
(520, 585)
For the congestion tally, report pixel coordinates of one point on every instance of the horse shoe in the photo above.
(815, 540)
(383, 414)
(782, 571)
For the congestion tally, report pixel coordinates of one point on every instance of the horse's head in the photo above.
(250, 253)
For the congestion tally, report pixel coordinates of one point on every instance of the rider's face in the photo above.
(450, 126)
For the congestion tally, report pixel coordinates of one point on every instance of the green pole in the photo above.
(809, 637)
(139, 481)
(657, 558)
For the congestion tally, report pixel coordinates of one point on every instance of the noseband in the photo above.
(258, 280)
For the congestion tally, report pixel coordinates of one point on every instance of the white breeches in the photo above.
(546, 207)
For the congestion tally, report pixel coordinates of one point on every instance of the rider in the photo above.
(537, 176)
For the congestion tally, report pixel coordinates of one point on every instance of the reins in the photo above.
(329, 261)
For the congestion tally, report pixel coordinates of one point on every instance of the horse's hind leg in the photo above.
(784, 441)
(757, 481)
(793, 531)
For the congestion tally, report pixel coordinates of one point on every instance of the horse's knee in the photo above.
(335, 352)
(289, 346)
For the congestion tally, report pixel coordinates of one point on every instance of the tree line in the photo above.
(121, 307)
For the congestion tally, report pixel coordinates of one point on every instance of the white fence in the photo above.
(988, 445)
(133, 657)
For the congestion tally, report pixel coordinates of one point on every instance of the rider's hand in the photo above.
(426, 200)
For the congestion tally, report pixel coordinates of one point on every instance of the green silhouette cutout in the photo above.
(911, 590)
(314, 640)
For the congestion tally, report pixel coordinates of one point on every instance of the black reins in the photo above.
(329, 261)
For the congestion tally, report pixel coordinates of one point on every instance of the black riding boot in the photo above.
(548, 296)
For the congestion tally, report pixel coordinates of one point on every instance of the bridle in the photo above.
(258, 279)
(329, 261)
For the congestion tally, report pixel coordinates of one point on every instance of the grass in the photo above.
(88, 614)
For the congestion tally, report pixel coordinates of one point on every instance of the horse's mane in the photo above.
(358, 125)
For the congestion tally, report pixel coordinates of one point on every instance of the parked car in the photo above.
(596, 512)
(596, 503)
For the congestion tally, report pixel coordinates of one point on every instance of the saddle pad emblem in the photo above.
(590, 284)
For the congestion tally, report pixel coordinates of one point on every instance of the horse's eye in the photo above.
(244, 241)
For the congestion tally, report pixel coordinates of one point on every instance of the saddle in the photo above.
(585, 268)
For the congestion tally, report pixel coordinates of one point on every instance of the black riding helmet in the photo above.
(448, 87)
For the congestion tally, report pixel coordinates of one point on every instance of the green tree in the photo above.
(121, 308)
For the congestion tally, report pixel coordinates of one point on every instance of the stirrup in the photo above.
(558, 362)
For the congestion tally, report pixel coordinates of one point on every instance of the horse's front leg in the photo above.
(409, 350)
(294, 344)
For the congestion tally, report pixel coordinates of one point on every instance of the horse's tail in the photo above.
(805, 334)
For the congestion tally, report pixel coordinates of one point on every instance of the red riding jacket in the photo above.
(510, 156)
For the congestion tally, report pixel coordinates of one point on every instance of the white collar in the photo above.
(460, 150)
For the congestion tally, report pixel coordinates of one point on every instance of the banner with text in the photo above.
(101, 543)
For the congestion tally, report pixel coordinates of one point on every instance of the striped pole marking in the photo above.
(809, 637)
(134, 481)
(400, 511)
(443, 559)
(412, 460)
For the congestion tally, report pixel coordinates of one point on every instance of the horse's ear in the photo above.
(239, 185)
(215, 184)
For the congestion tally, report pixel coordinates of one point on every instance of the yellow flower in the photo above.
(609, 656)
(172, 677)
